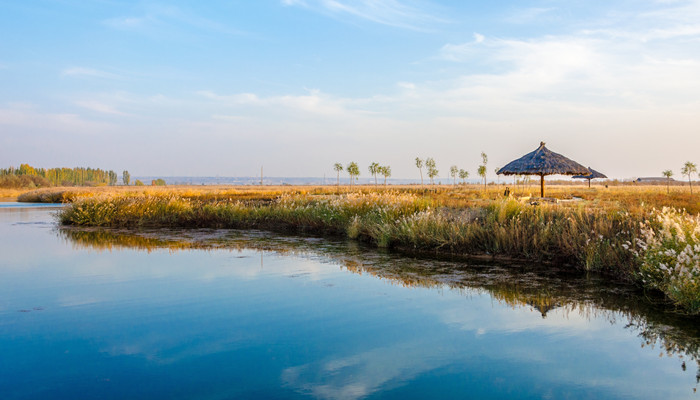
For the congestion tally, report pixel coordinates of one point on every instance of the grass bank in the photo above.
(632, 198)
(11, 194)
(658, 249)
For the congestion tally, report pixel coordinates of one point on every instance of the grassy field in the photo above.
(628, 232)
(12, 194)
(630, 197)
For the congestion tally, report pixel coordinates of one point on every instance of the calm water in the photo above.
(229, 315)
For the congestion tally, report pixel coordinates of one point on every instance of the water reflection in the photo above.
(543, 290)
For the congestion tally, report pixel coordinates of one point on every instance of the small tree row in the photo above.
(688, 169)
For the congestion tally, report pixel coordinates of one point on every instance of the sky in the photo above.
(222, 88)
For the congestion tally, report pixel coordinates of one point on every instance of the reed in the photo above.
(633, 198)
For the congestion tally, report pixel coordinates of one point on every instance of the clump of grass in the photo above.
(669, 251)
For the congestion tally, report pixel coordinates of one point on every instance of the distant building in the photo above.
(654, 179)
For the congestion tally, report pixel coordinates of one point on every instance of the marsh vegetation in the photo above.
(627, 234)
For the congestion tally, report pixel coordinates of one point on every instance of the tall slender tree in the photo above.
(482, 173)
(463, 175)
(432, 169)
(668, 174)
(386, 172)
(419, 165)
(338, 167)
(353, 171)
(689, 169)
(112, 177)
(126, 178)
(454, 171)
(374, 170)
(482, 168)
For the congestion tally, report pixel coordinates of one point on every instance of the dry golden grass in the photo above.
(629, 197)
(12, 194)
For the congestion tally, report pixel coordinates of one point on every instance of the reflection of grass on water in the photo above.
(101, 239)
(586, 236)
(517, 286)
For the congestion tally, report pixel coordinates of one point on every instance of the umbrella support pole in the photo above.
(541, 185)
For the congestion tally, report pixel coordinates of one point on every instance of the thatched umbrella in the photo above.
(543, 162)
(592, 175)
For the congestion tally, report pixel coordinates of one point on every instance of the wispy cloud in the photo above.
(361, 375)
(99, 107)
(529, 15)
(314, 102)
(88, 72)
(401, 14)
(158, 20)
(28, 117)
(676, 32)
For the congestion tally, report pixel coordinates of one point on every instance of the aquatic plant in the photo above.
(669, 250)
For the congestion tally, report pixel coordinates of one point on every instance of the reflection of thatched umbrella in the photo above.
(543, 162)
(543, 307)
(592, 175)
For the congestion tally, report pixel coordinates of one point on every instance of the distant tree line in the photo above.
(28, 176)
(429, 163)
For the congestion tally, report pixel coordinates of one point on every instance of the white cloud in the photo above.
(161, 21)
(360, 375)
(401, 14)
(26, 116)
(88, 72)
(314, 102)
(528, 15)
(126, 22)
(99, 107)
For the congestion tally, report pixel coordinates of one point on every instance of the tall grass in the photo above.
(632, 198)
(669, 250)
(585, 237)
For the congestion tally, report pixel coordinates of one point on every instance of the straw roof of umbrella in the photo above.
(592, 175)
(543, 162)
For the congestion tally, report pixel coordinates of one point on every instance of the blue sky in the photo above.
(222, 87)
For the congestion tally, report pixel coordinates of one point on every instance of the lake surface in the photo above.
(214, 314)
